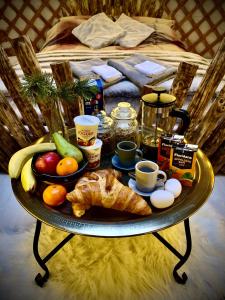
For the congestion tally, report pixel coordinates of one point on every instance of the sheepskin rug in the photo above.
(131, 268)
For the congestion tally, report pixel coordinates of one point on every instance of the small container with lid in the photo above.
(125, 122)
(106, 133)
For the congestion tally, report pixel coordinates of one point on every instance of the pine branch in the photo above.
(39, 87)
(80, 88)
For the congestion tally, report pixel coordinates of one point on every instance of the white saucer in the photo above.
(132, 185)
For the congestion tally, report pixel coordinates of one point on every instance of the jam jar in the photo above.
(106, 133)
(125, 122)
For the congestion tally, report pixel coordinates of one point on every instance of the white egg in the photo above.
(162, 199)
(173, 186)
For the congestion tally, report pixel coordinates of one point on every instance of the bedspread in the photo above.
(170, 54)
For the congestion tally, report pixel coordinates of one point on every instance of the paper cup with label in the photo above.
(86, 129)
(93, 154)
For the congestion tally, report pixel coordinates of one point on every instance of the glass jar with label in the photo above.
(106, 133)
(125, 122)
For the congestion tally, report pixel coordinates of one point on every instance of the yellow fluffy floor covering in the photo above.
(116, 269)
(107, 268)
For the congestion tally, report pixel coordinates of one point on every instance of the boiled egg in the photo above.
(161, 199)
(174, 186)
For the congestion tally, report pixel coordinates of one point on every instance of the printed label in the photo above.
(182, 159)
(86, 135)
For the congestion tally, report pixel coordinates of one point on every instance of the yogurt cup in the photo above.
(93, 154)
(86, 129)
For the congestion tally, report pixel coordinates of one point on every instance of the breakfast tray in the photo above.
(101, 222)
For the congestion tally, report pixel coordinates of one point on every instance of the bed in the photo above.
(162, 45)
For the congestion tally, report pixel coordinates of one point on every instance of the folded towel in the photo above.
(126, 67)
(82, 69)
(149, 68)
(108, 73)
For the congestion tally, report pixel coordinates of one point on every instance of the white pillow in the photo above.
(98, 31)
(136, 32)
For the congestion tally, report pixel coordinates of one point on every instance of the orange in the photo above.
(54, 194)
(66, 166)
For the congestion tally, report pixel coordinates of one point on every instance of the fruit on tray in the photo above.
(54, 194)
(28, 179)
(102, 188)
(65, 149)
(19, 158)
(66, 166)
(46, 163)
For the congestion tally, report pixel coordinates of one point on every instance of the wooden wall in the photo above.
(201, 24)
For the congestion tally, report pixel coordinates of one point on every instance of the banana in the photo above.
(28, 179)
(19, 158)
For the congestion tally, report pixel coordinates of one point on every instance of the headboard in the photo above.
(151, 8)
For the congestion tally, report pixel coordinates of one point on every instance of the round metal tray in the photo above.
(103, 222)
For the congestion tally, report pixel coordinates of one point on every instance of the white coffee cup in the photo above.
(146, 173)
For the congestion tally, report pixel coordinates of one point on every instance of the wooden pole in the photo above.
(182, 82)
(218, 158)
(210, 120)
(207, 88)
(4, 160)
(159, 12)
(117, 11)
(30, 65)
(26, 55)
(8, 144)
(9, 118)
(222, 170)
(12, 83)
(62, 73)
(216, 138)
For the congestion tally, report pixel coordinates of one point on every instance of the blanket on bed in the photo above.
(171, 58)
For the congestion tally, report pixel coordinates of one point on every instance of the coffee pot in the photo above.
(157, 108)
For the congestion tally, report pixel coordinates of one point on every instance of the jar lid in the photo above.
(159, 100)
(124, 110)
(105, 121)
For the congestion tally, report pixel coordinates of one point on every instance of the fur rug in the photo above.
(97, 268)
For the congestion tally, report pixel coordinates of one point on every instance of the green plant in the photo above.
(41, 88)
(79, 88)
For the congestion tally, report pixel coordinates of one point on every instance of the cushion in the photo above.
(163, 26)
(99, 31)
(61, 32)
(164, 31)
(136, 32)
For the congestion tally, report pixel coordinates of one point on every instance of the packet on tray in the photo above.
(182, 163)
(166, 142)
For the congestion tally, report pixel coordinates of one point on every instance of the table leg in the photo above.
(183, 258)
(40, 280)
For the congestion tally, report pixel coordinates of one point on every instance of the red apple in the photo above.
(47, 163)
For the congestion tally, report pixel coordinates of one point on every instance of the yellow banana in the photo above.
(28, 179)
(19, 158)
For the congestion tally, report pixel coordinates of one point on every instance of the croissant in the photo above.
(102, 188)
